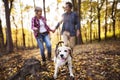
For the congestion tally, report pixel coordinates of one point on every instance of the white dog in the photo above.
(63, 56)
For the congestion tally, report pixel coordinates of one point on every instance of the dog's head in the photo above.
(63, 52)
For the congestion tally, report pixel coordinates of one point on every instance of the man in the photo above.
(71, 25)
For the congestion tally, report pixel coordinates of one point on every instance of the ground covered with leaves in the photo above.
(96, 61)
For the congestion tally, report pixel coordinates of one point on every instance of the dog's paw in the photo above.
(54, 76)
(72, 78)
(71, 75)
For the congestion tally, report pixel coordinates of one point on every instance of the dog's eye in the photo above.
(65, 50)
(59, 50)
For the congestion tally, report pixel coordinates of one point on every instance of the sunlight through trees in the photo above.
(99, 20)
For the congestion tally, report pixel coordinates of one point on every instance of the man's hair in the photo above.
(69, 4)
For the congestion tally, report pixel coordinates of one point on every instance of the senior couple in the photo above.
(70, 29)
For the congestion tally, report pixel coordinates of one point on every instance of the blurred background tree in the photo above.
(99, 20)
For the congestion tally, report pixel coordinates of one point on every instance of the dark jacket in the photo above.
(71, 23)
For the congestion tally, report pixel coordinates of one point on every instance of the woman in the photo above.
(41, 31)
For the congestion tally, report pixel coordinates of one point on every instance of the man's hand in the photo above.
(52, 31)
(78, 33)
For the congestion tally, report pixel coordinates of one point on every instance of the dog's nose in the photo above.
(61, 55)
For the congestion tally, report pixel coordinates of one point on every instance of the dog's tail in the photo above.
(59, 43)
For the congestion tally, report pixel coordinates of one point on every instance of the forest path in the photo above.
(96, 61)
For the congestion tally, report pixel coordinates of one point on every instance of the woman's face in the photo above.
(39, 13)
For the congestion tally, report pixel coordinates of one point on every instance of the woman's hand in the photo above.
(35, 29)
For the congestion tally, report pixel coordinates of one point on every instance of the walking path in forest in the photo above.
(96, 61)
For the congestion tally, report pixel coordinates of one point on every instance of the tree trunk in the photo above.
(99, 25)
(16, 32)
(8, 32)
(74, 5)
(91, 22)
(30, 67)
(34, 3)
(75, 8)
(99, 31)
(106, 21)
(114, 6)
(80, 41)
(32, 41)
(44, 8)
(23, 33)
(1, 36)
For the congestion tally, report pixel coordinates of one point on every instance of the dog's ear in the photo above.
(56, 49)
(70, 51)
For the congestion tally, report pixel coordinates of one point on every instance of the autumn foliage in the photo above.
(97, 61)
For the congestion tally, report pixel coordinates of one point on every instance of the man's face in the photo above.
(67, 8)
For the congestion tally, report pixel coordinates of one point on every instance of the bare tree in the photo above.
(44, 8)
(34, 3)
(1, 36)
(8, 32)
(77, 8)
(80, 41)
(114, 10)
(106, 20)
(23, 33)
(91, 21)
(99, 7)
(16, 32)
(74, 2)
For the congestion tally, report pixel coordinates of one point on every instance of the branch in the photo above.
(102, 2)
(11, 5)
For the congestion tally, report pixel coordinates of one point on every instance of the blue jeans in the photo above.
(44, 37)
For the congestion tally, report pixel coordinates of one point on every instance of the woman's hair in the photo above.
(69, 4)
(37, 9)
